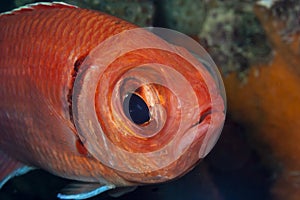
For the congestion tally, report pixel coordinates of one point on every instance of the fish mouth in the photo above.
(203, 117)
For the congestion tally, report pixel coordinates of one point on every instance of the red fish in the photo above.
(90, 97)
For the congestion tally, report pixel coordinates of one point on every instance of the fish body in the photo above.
(40, 47)
(44, 66)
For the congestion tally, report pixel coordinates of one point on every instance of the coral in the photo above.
(269, 102)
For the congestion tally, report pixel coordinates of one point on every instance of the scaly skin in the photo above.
(42, 53)
(38, 52)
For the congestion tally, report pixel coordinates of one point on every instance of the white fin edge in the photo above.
(32, 5)
(86, 195)
(18, 172)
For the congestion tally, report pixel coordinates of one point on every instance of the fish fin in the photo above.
(10, 168)
(83, 190)
(120, 191)
(39, 5)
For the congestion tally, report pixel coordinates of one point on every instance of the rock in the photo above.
(185, 16)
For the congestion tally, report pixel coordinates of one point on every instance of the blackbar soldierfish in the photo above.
(90, 97)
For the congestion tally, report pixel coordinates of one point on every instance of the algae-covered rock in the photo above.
(186, 16)
(19, 3)
(235, 37)
(139, 12)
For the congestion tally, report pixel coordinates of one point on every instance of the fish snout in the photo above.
(151, 105)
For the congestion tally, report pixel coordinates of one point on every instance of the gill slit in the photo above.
(74, 73)
(79, 144)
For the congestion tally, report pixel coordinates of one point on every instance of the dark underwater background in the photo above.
(245, 164)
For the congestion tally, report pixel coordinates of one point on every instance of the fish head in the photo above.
(149, 104)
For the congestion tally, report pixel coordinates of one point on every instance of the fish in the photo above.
(90, 97)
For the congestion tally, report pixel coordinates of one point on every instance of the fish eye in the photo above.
(136, 109)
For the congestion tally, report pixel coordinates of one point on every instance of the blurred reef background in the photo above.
(256, 45)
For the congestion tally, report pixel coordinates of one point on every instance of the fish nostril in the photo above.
(136, 109)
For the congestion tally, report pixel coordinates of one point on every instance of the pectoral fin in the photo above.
(83, 190)
(10, 168)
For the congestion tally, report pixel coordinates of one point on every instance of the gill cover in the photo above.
(176, 79)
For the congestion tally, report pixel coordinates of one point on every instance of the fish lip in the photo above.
(202, 117)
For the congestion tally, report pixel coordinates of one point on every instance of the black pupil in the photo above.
(136, 109)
